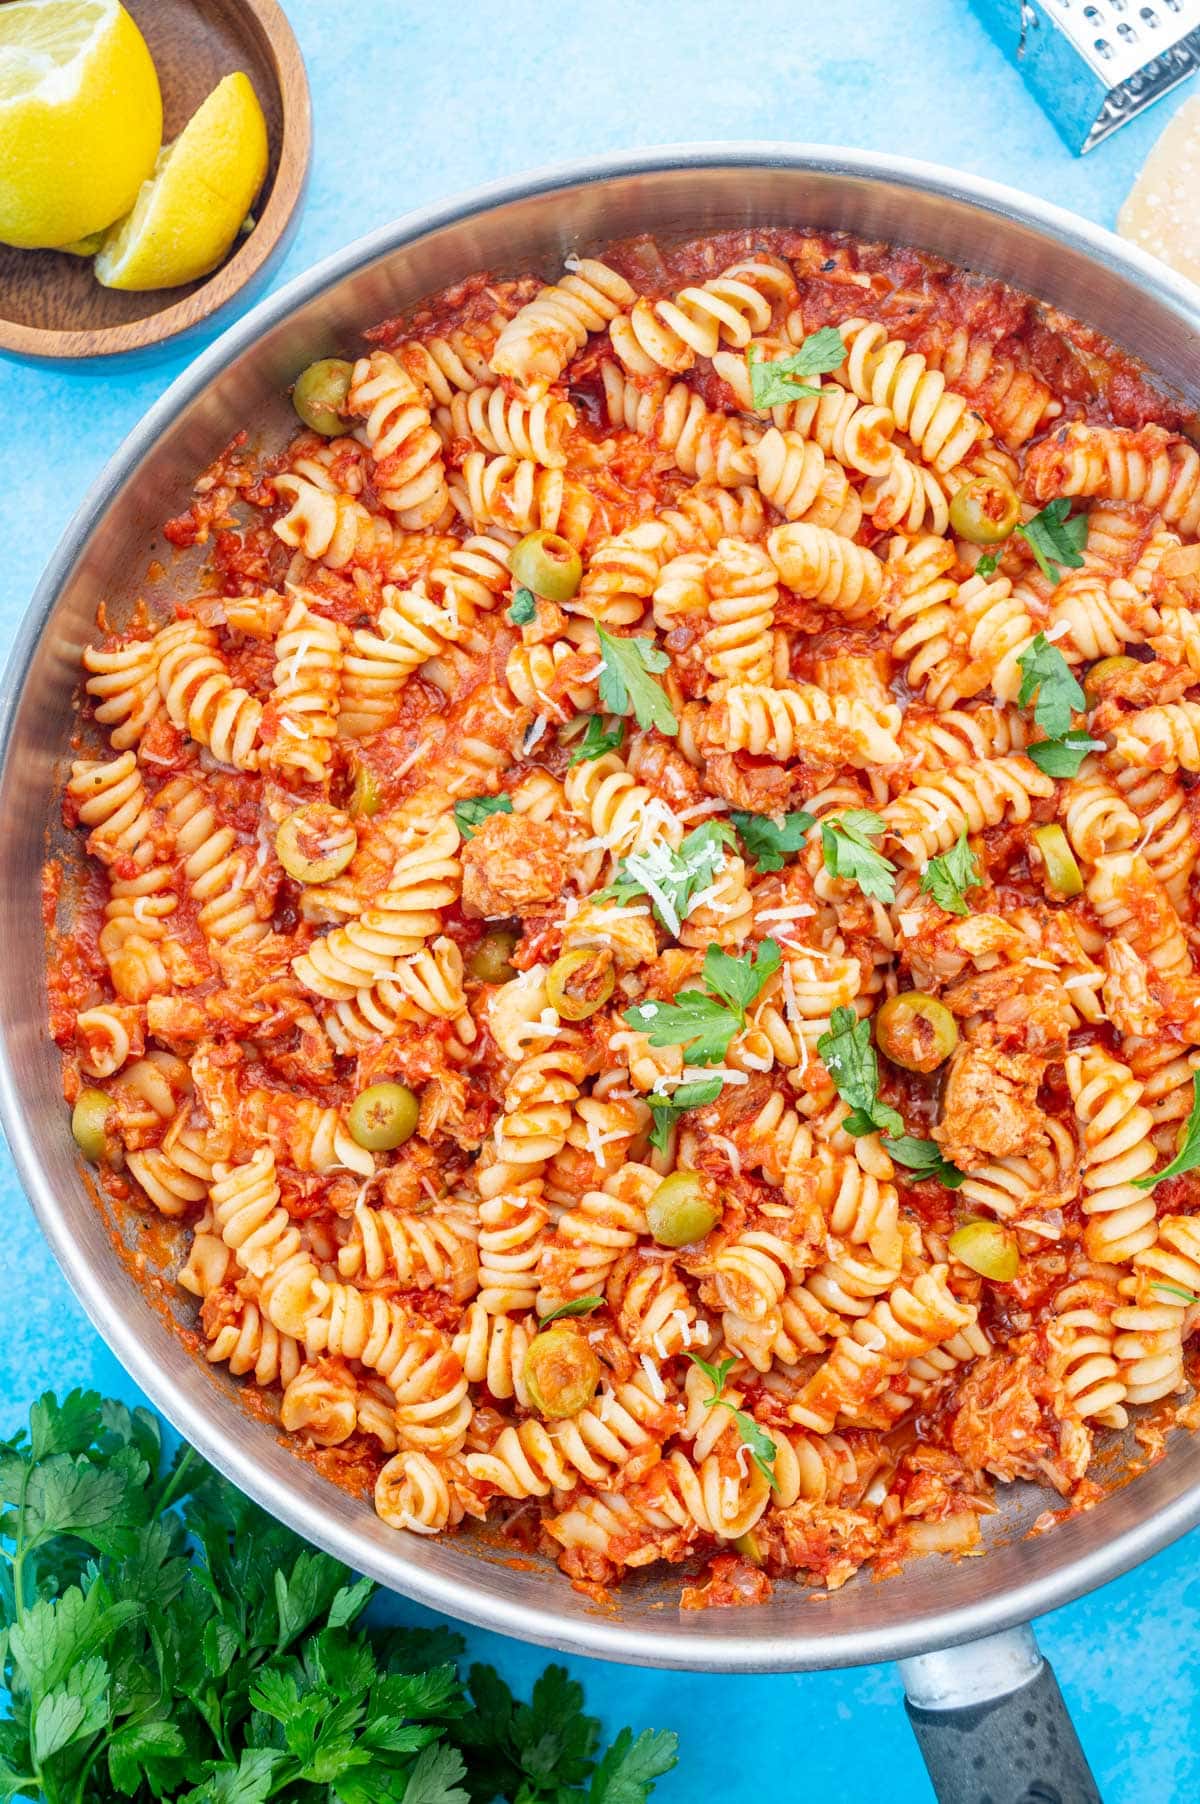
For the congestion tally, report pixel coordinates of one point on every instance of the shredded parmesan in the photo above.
(535, 732)
(1056, 631)
(654, 1378)
(289, 726)
(419, 751)
(714, 805)
(795, 911)
(731, 1153)
(1082, 980)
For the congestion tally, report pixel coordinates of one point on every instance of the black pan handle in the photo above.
(992, 1726)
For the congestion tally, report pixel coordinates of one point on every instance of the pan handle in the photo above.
(992, 1726)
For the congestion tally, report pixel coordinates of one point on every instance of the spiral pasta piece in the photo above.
(331, 528)
(928, 818)
(822, 566)
(730, 308)
(202, 699)
(1159, 469)
(1082, 1337)
(519, 496)
(1130, 902)
(529, 1459)
(512, 428)
(1155, 1312)
(536, 345)
(705, 444)
(920, 599)
(124, 684)
(801, 720)
(1098, 819)
(618, 809)
(409, 629)
(883, 370)
(1117, 1149)
(410, 477)
(742, 591)
(1166, 738)
(303, 710)
(1014, 401)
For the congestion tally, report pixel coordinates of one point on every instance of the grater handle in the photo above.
(992, 1725)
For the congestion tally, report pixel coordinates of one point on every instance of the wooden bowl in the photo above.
(51, 305)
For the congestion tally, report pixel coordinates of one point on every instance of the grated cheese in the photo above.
(731, 1153)
(535, 732)
(406, 764)
(654, 1378)
(305, 645)
(1056, 631)
(714, 805)
(1082, 980)
(289, 726)
(796, 911)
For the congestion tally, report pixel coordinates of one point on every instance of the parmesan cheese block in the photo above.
(1162, 209)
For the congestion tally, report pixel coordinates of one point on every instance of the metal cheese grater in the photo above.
(1094, 64)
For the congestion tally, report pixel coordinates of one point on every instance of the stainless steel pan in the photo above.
(972, 1706)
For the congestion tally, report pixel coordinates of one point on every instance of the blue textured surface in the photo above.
(414, 103)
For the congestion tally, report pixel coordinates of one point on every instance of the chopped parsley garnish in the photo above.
(770, 842)
(626, 683)
(666, 1110)
(472, 811)
(524, 607)
(948, 877)
(850, 1061)
(1188, 1156)
(577, 1306)
(1055, 537)
(673, 879)
(1063, 757)
(762, 1448)
(925, 1159)
(848, 852)
(597, 740)
(1048, 681)
(775, 383)
(704, 1024)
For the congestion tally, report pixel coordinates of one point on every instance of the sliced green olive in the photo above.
(366, 796)
(747, 1546)
(561, 1372)
(316, 842)
(89, 1124)
(1062, 876)
(383, 1116)
(580, 982)
(490, 960)
(988, 1248)
(1094, 680)
(916, 1031)
(320, 394)
(681, 1210)
(547, 564)
(985, 510)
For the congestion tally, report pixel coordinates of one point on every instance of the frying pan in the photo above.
(985, 1707)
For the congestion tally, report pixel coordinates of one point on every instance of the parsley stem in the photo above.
(171, 1486)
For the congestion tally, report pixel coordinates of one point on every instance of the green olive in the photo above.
(747, 1546)
(681, 1210)
(916, 1031)
(490, 960)
(547, 564)
(985, 510)
(316, 842)
(383, 1116)
(1062, 876)
(365, 797)
(320, 394)
(561, 1372)
(591, 967)
(89, 1124)
(988, 1248)
(1094, 680)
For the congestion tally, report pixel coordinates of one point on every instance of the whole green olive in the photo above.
(681, 1210)
(365, 797)
(320, 394)
(591, 969)
(89, 1124)
(383, 1116)
(1093, 682)
(916, 1031)
(316, 842)
(561, 1372)
(547, 564)
(490, 960)
(985, 510)
(989, 1249)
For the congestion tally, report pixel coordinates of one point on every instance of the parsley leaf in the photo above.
(948, 877)
(850, 1061)
(666, 1110)
(674, 880)
(1175, 1290)
(472, 811)
(1188, 1156)
(1055, 538)
(577, 1306)
(775, 383)
(524, 607)
(925, 1158)
(627, 1772)
(848, 852)
(769, 843)
(1048, 681)
(626, 683)
(762, 1448)
(596, 741)
(699, 1023)
(1063, 757)
(738, 981)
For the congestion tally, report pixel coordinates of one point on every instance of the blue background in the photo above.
(413, 103)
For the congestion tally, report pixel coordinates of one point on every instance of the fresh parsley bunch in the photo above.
(162, 1638)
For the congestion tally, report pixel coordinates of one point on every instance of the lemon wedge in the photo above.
(80, 118)
(192, 208)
